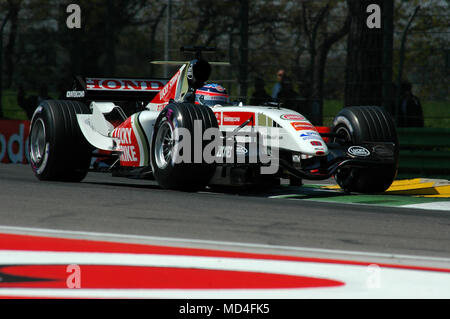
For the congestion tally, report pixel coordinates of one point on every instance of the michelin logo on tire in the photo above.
(358, 151)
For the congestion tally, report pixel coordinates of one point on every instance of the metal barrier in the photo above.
(424, 152)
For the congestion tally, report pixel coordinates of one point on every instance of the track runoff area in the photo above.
(50, 263)
(421, 193)
(53, 264)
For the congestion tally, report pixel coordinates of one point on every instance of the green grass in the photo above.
(10, 108)
(330, 109)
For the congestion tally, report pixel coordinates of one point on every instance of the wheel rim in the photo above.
(37, 141)
(164, 145)
(344, 134)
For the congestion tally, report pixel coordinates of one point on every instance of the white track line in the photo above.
(444, 205)
(225, 245)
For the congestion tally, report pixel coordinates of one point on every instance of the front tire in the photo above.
(58, 149)
(169, 171)
(358, 124)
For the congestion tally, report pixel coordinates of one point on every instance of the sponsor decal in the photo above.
(302, 126)
(224, 151)
(309, 135)
(14, 141)
(358, 151)
(292, 117)
(218, 117)
(241, 150)
(227, 151)
(236, 118)
(316, 143)
(75, 94)
(161, 107)
(99, 84)
(168, 91)
(127, 144)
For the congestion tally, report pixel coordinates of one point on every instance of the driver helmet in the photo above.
(212, 94)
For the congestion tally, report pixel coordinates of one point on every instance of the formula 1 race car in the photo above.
(188, 146)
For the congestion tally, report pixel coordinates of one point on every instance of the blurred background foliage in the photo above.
(309, 39)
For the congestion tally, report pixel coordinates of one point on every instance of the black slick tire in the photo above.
(358, 124)
(58, 149)
(189, 174)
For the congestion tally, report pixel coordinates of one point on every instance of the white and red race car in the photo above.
(183, 145)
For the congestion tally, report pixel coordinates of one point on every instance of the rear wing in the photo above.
(114, 89)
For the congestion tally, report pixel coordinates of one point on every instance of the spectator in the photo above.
(260, 96)
(276, 89)
(29, 104)
(287, 95)
(410, 109)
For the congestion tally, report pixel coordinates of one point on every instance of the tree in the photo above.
(2, 27)
(316, 36)
(119, 15)
(14, 7)
(153, 23)
(243, 48)
(211, 25)
(366, 59)
(319, 50)
(424, 63)
(93, 48)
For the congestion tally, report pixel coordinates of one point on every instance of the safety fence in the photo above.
(424, 152)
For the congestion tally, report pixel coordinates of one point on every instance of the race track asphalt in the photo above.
(102, 203)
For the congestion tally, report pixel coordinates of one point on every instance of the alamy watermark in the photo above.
(73, 21)
(373, 280)
(74, 279)
(374, 19)
(181, 145)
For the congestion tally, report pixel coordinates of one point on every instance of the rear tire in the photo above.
(58, 149)
(185, 175)
(358, 124)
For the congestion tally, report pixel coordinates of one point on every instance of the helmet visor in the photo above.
(211, 99)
